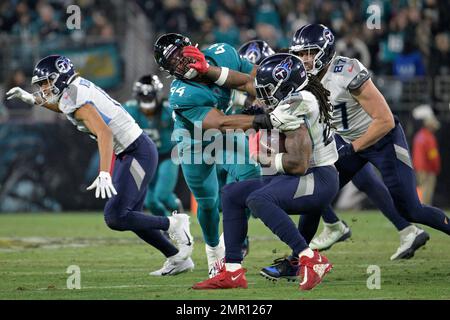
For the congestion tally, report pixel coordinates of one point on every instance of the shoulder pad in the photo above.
(359, 80)
(354, 73)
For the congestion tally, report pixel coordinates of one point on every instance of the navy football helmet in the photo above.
(315, 37)
(278, 76)
(169, 54)
(255, 51)
(56, 72)
(147, 91)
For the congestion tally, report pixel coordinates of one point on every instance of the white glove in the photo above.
(103, 185)
(21, 94)
(283, 119)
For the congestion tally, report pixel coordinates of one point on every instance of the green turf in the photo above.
(36, 249)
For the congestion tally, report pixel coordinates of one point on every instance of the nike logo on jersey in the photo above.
(189, 239)
(236, 277)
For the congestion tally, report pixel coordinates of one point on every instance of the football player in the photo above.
(367, 132)
(153, 114)
(254, 51)
(199, 105)
(93, 111)
(307, 180)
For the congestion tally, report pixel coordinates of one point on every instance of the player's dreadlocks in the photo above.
(322, 95)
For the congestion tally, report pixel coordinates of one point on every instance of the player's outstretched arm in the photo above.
(281, 118)
(94, 122)
(376, 106)
(221, 76)
(29, 98)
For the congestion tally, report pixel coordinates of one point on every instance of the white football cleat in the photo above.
(180, 233)
(411, 239)
(216, 257)
(174, 265)
(331, 233)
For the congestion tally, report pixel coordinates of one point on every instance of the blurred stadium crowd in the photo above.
(410, 30)
(412, 41)
(27, 25)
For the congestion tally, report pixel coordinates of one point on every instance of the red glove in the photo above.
(201, 65)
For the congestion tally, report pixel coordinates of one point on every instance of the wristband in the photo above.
(279, 162)
(223, 76)
(238, 98)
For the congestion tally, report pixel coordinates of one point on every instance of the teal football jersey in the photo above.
(191, 101)
(159, 128)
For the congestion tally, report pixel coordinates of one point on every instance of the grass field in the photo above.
(36, 249)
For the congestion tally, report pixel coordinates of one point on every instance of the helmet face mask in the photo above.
(311, 58)
(146, 91)
(314, 40)
(277, 77)
(46, 90)
(180, 64)
(271, 95)
(52, 75)
(169, 54)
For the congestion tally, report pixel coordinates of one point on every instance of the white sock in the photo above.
(232, 266)
(307, 252)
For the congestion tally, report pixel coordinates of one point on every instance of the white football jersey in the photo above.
(124, 128)
(349, 118)
(304, 104)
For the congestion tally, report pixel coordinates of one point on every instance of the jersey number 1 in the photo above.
(343, 108)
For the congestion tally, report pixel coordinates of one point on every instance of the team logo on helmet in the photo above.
(327, 34)
(63, 65)
(253, 53)
(282, 71)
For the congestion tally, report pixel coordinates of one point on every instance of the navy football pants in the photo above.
(133, 170)
(367, 181)
(391, 157)
(272, 199)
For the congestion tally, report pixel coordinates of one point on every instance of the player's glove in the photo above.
(346, 150)
(21, 94)
(283, 119)
(103, 185)
(201, 65)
